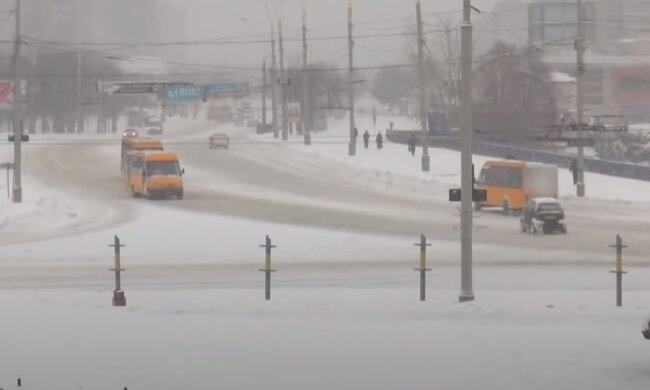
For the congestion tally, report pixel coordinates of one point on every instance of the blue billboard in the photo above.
(196, 92)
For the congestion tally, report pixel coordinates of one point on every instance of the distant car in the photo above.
(154, 130)
(543, 215)
(249, 119)
(219, 141)
(262, 128)
(130, 133)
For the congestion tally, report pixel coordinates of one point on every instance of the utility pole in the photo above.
(580, 52)
(283, 84)
(274, 91)
(264, 94)
(32, 81)
(80, 119)
(422, 89)
(352, 148)
(17, 120)
(304, 107)
(467, 185)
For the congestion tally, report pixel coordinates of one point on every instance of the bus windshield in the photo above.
(163, 168)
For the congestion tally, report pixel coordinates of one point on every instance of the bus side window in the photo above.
(482, 178)
(513, 177)
(496, 177)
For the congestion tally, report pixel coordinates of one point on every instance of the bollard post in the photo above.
(267, 267)
(423, 266)
(619, 269)
(119, 299)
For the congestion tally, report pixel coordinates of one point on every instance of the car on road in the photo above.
(130, 133)
(154, 130)
(219, 141)
(543, 215)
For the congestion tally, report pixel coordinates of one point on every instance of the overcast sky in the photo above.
(223, 18)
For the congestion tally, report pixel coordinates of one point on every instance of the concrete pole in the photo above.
(32, 113)
(274, 89)
(80, 119)
(466, 291)
(283, 85)
(352, 147)
(304, 109)
(423, 92)
(264, 93)
(580, 51)
(17, 120)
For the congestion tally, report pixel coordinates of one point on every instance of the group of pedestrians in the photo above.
(379, 139)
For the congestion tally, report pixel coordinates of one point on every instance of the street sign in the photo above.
(585, 142)
(6, 94)
(116, 88)
(227, 90)
(183, 92)
(477, 196)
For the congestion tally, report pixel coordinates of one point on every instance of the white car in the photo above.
(219, 140)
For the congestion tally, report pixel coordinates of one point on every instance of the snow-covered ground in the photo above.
(322, 339)
(345, 310)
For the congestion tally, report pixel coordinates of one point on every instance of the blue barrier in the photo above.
(492, 149)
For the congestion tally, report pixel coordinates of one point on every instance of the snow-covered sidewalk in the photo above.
(323, 339)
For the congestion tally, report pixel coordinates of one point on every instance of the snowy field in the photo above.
(345, 310)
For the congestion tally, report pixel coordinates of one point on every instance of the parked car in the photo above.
(543, 215)
(219, 140)
(130, 133)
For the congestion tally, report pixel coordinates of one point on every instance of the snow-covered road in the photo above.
(344, 312)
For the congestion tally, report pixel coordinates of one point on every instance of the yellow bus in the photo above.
(155, 174)
(511, 183)
(141, 144)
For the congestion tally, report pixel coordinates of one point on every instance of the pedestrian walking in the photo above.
(380, 141)
(366, 139)
(412, 143)
(573, 167)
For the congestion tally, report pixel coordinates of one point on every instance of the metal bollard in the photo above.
(119, 299)
(619, 269)
(267, 269)
(423, 266)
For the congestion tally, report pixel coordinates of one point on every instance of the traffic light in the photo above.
(23, 138)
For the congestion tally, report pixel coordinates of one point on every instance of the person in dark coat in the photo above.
(356, 133)
(366, 139)
(573, 167)
(380, 141)
(412, 142)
